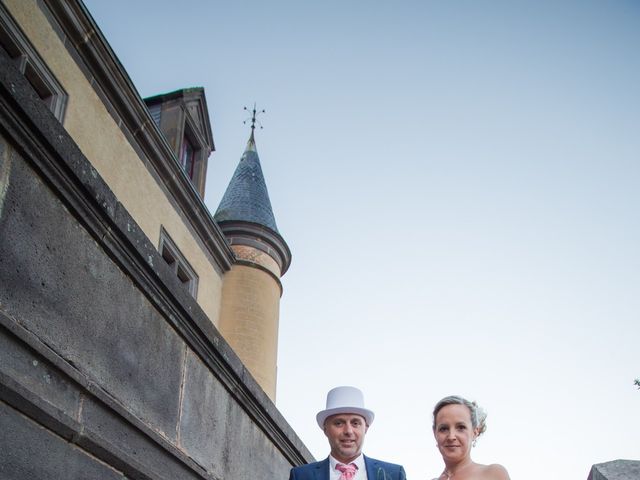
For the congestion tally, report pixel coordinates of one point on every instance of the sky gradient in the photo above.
(459, 186)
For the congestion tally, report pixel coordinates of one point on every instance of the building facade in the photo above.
(124, 352)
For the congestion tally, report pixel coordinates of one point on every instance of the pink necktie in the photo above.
(348, 471)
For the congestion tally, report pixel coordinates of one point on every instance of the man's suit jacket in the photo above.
(376, 470)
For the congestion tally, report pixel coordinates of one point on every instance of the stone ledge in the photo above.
(616, 470)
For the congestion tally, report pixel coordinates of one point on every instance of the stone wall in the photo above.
(108, 368)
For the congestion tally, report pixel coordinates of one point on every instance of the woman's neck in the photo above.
(451, 469)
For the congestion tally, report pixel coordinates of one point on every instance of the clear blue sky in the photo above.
(459, 184)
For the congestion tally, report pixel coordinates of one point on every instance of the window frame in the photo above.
(188, 154)
(178, 263)
(189, 135)
(27, 60)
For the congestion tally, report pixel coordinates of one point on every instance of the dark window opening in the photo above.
(178, 263)
(187, 157)
(28, 62)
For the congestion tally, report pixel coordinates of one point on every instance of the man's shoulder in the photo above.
(308, 468)
(381, 462)
(384, 470)
(312, 464)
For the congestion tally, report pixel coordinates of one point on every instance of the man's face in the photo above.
(345, 432)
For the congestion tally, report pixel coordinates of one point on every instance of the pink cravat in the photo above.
(348, 471)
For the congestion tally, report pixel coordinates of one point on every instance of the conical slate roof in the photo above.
(247, 198)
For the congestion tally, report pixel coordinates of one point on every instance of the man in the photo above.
(345, 422)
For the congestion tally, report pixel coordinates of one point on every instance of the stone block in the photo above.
(203, 423)
(130, 448)
(31, 452)
(218, 433)
(248, 452)
(36, 374)
(616, 470)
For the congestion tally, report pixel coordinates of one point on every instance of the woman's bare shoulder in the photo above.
(495, 471)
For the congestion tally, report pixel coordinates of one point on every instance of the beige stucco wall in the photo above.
(103, 143)
(249, 321)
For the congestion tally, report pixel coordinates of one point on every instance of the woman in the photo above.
(457, 423)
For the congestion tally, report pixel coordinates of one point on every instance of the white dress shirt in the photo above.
(361, 472)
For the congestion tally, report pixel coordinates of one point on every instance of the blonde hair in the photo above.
(478, 415)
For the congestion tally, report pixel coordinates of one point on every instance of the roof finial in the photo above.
(254, 114)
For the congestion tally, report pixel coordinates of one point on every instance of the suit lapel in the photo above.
(321, 472)
(370, 467)
(374, 470)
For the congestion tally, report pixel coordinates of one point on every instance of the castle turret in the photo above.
(251, 290)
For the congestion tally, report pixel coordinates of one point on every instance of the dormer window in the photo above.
(183, 118)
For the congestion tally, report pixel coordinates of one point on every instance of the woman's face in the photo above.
(454, 432)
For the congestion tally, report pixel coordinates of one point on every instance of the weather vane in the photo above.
(254, 113)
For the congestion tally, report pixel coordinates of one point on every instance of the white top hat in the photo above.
(344, 400)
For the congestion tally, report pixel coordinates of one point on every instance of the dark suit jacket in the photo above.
(376, 470)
